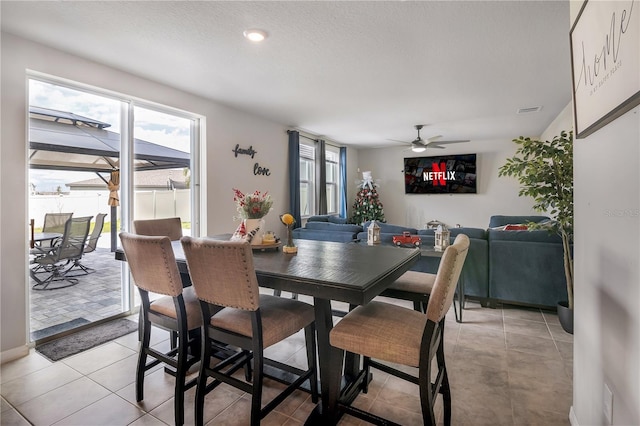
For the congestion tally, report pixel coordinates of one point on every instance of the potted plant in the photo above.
(544, 170)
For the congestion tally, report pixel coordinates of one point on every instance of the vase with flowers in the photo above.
(288, 220)
(252, 208)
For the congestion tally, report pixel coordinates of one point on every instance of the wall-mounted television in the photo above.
(442, 174)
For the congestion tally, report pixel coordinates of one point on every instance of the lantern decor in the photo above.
(373, 233)
(288, 220)
(442, 238)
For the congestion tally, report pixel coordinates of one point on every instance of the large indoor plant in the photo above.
(545, 172)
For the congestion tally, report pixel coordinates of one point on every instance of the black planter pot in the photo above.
(565, 315)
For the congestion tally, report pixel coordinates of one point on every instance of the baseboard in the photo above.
(572, 417)
(14, 353)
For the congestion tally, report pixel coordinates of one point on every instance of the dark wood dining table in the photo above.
(326, 271)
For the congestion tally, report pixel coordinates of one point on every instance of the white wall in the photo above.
(495, 195)
(607, 276)
(225, 127)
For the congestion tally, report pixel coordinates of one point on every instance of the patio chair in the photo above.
(62, 256)
(92, 242)
(53, 222)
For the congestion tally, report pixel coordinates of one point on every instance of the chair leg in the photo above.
(181, 373)
(201, 386)
(310, 339)
(256, 392)
(145, 329)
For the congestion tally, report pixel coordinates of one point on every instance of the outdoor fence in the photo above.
(147, 204)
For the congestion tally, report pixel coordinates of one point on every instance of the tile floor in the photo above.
(507, 366)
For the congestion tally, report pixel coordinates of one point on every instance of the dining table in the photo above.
(326, 271)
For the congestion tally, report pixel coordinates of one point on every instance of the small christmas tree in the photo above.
(367, 205)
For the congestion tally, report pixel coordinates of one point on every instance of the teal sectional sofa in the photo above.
(510, 266)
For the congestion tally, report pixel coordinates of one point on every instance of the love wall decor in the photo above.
(605, 62)
(258, 170)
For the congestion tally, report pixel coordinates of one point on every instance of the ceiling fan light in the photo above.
(416, 148)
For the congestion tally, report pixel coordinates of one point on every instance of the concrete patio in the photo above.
(96, 296)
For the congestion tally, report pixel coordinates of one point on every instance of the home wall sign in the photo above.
(258, 170)
(605, 62)
(244, 151)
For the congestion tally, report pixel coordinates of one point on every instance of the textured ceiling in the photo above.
(360, 73)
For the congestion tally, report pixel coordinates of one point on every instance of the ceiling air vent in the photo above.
(529, 110)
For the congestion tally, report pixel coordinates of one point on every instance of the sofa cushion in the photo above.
(541, 236)
(333, 227)
(318, 218)
(311, 234)
(338, 220)
(499, 220)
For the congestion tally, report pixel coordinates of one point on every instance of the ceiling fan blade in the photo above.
(433, 145)
(396, 140)
(456, 141)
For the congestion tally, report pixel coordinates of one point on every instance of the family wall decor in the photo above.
(258, 170)
(605, 62)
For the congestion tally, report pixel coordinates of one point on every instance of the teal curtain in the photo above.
(321, 176)
(343, 182)
(294, 176)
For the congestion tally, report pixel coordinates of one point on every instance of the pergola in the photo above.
(65, 141)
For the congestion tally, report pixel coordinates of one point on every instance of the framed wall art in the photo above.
(605, 63)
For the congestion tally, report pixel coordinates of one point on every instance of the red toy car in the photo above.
(406, 239)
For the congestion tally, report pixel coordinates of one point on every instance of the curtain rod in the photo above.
(302, 136)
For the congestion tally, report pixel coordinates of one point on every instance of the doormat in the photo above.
(86, 339)
(58, 328)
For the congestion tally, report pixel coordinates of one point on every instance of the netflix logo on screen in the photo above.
(444, 174)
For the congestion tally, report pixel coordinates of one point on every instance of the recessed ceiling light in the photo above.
(255, 35)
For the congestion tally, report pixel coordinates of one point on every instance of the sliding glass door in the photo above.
(93, 152)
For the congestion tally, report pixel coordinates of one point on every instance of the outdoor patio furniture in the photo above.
(53, 223)
(61, 257)
(92, 242)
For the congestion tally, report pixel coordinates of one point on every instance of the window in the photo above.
(310, 192)
(332, 164)
(307, 179)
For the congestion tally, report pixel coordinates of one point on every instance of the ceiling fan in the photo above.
(420, 145)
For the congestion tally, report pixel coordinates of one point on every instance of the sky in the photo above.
(152, 126)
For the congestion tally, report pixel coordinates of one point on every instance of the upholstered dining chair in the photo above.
(154, 269)
(170, 227)
(391, 333)
(234, 312)
(413, 286)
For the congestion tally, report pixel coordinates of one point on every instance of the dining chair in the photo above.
(234, 312)
(154, 269)
(56, 261)
(383, 332)
(92, 242)
(413, 286)
(170, 227)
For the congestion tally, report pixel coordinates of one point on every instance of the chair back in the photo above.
(152, 263)
(92, 242)
(55, 222)
(222, 272)
(447, 278)
(74, 238)
(168, 227)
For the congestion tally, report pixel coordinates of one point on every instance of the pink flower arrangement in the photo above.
(252, 206)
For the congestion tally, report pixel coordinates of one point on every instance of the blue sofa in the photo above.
(327, 228)
(525, 267)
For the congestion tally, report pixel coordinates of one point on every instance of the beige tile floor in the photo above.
(507, 366)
